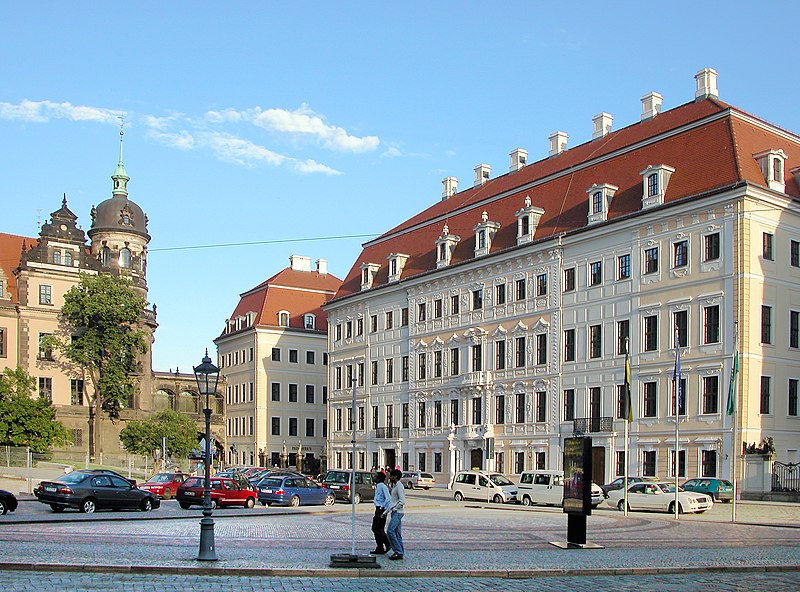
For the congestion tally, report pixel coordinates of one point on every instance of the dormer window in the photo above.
(600, 197)
(368, 272)
(68, 258)
(57, 257)
(309, 321)
(527, 221)
(283, 318)
(655, 179)
(445, 246)
(396, 263)
(772, 167)
(484, 233)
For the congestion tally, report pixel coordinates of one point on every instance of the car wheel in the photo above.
(147, 505)
(526, 501)
(358, 498)
(594, 506)
(330, 499)
(3, 508)
(426, 488)
(621, 506)
(88, 506)
(726, 501)
(295, 501)
(264, 504)
(459, 497)
(184, 505)
(167, 493)
(409, 485)
(671, 508)
(56, 508)
(498, 499)
(250, 502)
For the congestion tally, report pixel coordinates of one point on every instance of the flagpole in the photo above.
(732, 408)
(676, 381)
(628, 411)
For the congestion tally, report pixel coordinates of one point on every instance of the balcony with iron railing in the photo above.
(387, 433)
(592, 425)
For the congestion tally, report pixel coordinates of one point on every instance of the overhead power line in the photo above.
(268, 242)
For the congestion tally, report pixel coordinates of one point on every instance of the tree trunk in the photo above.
(92, 416)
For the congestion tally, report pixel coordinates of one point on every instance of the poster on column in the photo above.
(578, 476)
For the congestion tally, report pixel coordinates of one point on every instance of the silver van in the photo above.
(479, 485)
(541, 487)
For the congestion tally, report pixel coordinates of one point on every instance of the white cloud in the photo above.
(391, 152)
(226, 115)
(244, 152)
(312, 166)
(304, 121)
(182, 140)
(43, 111)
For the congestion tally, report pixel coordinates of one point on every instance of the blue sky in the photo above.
(249, 122)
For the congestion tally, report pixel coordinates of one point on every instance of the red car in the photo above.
(164, 485)
(224, 492)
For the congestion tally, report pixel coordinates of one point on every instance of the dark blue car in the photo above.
(293, 490)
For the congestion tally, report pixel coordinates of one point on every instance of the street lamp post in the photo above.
(207, 375)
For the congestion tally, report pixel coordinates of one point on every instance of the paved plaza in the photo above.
(450, 546)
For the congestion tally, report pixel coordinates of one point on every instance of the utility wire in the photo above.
(269, 242)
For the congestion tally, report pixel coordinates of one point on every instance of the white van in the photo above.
(489, 487)
(541, 487)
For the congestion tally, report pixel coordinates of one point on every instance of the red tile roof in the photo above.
(708, 147)
(10, 250)
(299, 292)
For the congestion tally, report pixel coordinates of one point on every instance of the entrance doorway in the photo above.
(390, 457)
(476, 459)
(599, 464)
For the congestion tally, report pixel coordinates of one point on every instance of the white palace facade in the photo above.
(488, 328)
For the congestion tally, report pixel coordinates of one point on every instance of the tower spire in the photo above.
(120, 176)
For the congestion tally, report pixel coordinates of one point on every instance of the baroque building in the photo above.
(495, 324)
(35, 273)
(273, 355)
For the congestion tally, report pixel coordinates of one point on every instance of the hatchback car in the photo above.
(293, 490)
(164, 485)
(90, 490)
(8, 502)
(418, 479)
(718, 489)
(339, 482)
(659, 497)
(224, 492)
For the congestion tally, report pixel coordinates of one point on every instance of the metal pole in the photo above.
(207, 552)
(353, 471)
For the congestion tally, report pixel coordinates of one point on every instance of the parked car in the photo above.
(598, 495)
(338, 481)
(224, 492)
(93, 490)
(718, 489)
(619, 483)
(418, 479)
(659, 497)
(258, 477)
(547, 487)
(478, 485)
(293, 490)
(164, 485)
(8, 503)
(237, 475)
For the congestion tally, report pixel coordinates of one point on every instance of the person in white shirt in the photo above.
(379, 519)
(396, 506)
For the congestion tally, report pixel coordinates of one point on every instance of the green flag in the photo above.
(732, 385)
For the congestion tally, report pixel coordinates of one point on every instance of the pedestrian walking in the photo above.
(396, 507)
(381, 501)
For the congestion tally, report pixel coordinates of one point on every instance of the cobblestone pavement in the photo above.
(763, 582)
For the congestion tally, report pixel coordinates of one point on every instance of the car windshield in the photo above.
(73, 477)
(337, 477)
(500, 479)
(160, 478)
(668, 488)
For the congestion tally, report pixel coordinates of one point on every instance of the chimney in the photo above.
(482, 174)
(519, 158)
(602, 125)
(558, 143)
(450, 187)
(300, 263)
(322, 266)
(706, 84)
(651, 105)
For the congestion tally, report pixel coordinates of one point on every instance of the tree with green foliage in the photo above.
(26, 420)
(102, 317)
(146, 436)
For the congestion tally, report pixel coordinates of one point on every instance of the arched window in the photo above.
(283, 318)
(187, 403)
(125, 258)
(309, 321)
(57, 257)
(68, 258)
(105, 256)
(163, 400)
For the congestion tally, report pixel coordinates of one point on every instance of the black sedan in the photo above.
(89, 491)
(8, 503)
